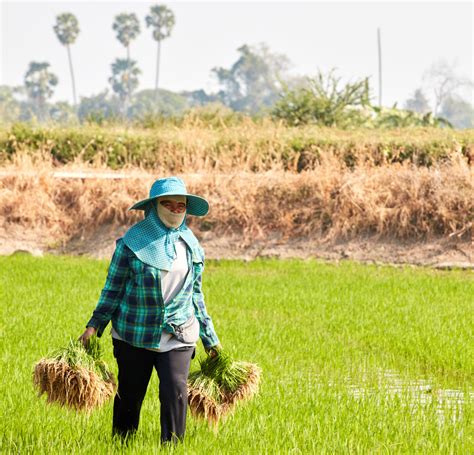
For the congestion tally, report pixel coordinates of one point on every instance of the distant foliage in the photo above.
(39, 84)
(323, 101)
(10, 108)
(443, 82)
(144, 103)
(97, 108)
(66, 28)
(398, 118)
(125, 72)
(255, 86)
(126, 27)
(124, 80)
(62, 112)
(161, 20)
(418, 102)
(458, 111)
(252, 83)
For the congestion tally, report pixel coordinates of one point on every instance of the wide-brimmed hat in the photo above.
(174, 186)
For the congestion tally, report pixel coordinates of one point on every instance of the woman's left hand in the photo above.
(213, 351)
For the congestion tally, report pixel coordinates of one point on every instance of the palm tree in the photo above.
(162, 21)
(127, 29)
(39, 83)
(67, 29)
(124, 80)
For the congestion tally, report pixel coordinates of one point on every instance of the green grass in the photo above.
(320, 332)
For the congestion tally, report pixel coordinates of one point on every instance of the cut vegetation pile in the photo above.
(219, 385)
(75, 377)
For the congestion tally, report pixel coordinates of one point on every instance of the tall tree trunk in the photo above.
(379, 43)
(41, 108)
(72, 75)
(158, 53)
(127, 98)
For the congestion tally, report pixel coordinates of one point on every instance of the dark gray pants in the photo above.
(135, 367)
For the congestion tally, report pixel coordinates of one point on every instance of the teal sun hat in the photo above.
(174, 186)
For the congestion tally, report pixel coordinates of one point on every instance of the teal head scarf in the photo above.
(153, 242)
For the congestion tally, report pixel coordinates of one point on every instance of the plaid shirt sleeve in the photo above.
(206, 327)
(113, 290)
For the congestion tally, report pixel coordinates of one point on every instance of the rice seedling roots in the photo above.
(205, 403)
(76, 388)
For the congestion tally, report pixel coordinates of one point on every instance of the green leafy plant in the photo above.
(323, 101)
(400, 118)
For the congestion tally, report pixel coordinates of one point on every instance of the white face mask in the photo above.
(169, 218)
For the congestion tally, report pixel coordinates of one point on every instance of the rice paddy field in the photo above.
(355, 358)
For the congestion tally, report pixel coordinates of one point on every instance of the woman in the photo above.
(153, 297)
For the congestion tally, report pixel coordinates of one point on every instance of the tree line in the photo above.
(258, 83)
(40, 81)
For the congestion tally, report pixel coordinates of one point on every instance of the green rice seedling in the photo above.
(229, 374)
(219, 384)
(75, 376)
(352, 333)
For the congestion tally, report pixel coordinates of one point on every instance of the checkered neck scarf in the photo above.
(153, 243)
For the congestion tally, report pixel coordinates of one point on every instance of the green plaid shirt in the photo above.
(133, 301)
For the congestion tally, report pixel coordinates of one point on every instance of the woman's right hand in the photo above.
(87, 334)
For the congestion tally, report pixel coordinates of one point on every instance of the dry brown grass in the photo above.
(76, 388)
(399, 201)
(249, 146)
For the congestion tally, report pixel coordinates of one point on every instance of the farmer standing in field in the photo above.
(153, 297)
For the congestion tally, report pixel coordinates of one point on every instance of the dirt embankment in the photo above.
(392, 214)
(439, 253)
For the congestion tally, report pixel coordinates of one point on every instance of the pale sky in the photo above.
(314, 35)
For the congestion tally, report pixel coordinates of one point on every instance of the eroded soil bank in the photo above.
(439, 252)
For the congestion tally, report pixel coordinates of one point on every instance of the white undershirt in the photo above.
(172, 282)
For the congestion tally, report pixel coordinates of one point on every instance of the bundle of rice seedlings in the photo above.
(75, 376)
(204, 397)
(219, 384)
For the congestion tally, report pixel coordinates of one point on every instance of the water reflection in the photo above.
(389, 385)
